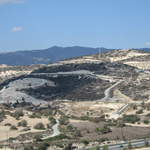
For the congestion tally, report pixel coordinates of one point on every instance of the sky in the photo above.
(39, 24)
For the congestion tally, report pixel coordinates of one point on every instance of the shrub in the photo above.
(2, 116)
(105, 147)
(95, 148)
(139, 111)
(39, 126)
(7, 124)
(131, 118)
(103, 130)
(85, 142)
(148, 115)
(52, 120)
(17, 114)
(23, 123)
(146, 121)
(63, 120)
(37, 137)
(28, 148)
(35, 115)
(68, 147)
(101, 140)
(43, 146)
(56, 138)
(13, 127)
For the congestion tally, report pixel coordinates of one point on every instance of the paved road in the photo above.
(121, 146)
(108, 92)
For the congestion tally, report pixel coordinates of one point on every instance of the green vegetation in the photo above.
(129, 145)
(13, 127)
(37, 137)
(28, 148)
(68, 146)
(63, 120)
(146, 121)
(7, 124)
(148, 115)
(43, 146)
(95, 148)
(39, 126)
(23, 123)
(85, 142)
(131, 118)
(17, 114)
(105, 147)
(35, 115)
(101, 140)
(2, 116)
(103, 130)
(52, 120)
(139, 111)
(56, 138)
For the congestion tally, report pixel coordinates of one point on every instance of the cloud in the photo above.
(17, 29)
(147, 43)
(10, 1)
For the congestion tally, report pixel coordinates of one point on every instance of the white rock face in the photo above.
(11, 92)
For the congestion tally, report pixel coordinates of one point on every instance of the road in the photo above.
(67, 73)
(135, 144)
(120, 111)
(55, 129)
(108, 92)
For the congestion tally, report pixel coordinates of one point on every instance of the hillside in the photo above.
(78, 97)
(83, 78)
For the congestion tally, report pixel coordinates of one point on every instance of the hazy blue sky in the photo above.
(36, 24)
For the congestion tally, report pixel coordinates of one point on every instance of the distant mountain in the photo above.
(145, 49)
(46, 56)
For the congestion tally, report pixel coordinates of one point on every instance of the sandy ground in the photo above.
(5, 131)
(122, 97)
(138, 125)
(140, 65)
(129, 55)
(96, 108)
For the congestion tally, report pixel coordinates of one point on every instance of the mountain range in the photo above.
(46, 56)
(49, 55)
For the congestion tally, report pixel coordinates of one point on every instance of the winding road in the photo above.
(55, 129)
(108, 92)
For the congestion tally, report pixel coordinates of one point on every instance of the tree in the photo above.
(13, 127)
(146, 121)
(85, 142)
(43, 146)
(139, 111)
(68, 147)
(22, 123)
(28, 148)
(17, 114)
(39, 126)
(37, 137)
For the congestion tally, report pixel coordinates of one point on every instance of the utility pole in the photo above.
(100, 53)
